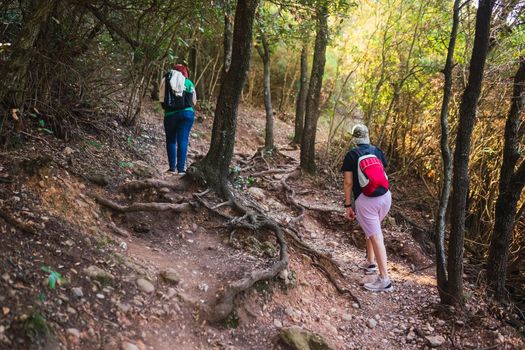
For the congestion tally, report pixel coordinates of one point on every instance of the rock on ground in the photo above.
(435, 340)
(170, 276)
(300, 339)
(97, 273)
(145, 285)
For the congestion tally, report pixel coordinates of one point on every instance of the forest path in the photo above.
(205, 258)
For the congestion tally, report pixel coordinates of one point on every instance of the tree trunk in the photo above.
(314, 91)
(264, 52)
(215, 165)
(155, 84)
(228, 37)
(199, 82)
(439, 235)
(510, 188)
(193, 63)
(300, 105)
(14, 71)
(460, 180)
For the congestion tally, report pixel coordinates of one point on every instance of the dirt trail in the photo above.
(202, 256)
(205, 260)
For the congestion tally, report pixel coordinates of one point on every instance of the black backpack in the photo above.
(173, 102)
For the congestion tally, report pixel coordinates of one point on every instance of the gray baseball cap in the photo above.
(360, 134)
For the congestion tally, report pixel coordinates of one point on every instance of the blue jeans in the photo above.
(177, 128)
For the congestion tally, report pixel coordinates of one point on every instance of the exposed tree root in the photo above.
(336, 284)
(5, 180)
(135, 186)
(321, 209)
(422, 268)
(254, 221)
(324, 263)
(178, 208)
(17, 223)
(272, 172)
(290, 193)
(225, 305)
(118, 230)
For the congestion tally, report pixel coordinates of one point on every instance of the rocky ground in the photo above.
(76, 275)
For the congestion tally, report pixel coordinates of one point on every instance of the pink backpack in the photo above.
(371, 175)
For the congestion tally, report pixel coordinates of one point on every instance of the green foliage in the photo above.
(94, 143)
(241, 181)
(103, 241)
(263, 287)
(54, 278)
(36, 327)
(123, 164)
(250, 181)
(232, 321)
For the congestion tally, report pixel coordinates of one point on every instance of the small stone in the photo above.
(77, 292)
(129, 346)
(67, 151)
(371, 323)
(347, 317)
(435, 341)
(145, 285)
(170, 276)
(284, 275)
(203, 287)
(171, 293)
(289, 311)
(411, 335)
(71, 310)
(124, 307)
(355, 305)
(100, 296)
(377, 317)
(257, 193)
(277, 323)
(73, 332)
(97, 273)
(441, 322)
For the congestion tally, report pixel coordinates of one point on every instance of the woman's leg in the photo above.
(370, 256)
(170, 129)
(378, 240)
(380, 253)
(185, 123)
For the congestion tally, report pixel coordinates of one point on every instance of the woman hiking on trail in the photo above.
(364, 175)
(178, 99)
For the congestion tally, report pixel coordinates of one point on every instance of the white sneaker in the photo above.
(369, 267)
(379, 285)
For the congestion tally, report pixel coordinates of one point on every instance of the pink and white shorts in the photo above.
(370, 211)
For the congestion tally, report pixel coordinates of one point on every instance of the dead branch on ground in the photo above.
(17, 223)
(178, 208)
(272, 172)
(118, 230)
(135, 186)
